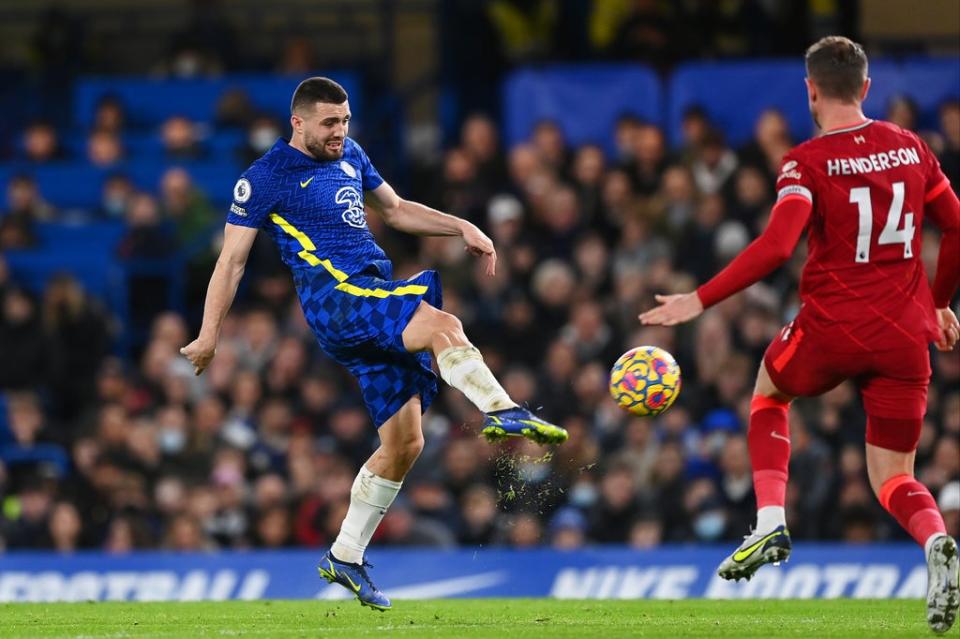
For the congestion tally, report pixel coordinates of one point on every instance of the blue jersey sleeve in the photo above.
(254, 197)
(368, 173)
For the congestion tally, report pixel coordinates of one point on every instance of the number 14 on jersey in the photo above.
(892, 233)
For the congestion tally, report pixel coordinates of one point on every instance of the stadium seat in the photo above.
(565, 94)
(149, 101)
(79, 185)
(5, 435)
(928, 82)
(727, 91)
(100, 237)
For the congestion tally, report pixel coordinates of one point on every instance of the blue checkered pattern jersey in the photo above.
(314, 212)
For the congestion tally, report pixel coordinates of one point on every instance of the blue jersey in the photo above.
(314, 212)
(313, 209)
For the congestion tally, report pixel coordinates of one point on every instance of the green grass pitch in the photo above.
(471, 618)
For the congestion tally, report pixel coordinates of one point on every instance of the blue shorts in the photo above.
(360, 322)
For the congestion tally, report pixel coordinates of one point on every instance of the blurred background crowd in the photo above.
(124, 448)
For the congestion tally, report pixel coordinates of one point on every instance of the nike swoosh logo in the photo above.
(916, 492)
(741, 555)
(333, 570)
(777, 435)
(355, 587)
(303, 185)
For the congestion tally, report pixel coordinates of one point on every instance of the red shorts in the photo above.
(803, 361)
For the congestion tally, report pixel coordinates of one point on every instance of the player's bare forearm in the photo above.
(420, 219)
(413, 217)
(220, 293)
(221, 290)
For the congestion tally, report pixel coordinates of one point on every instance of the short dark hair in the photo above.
(317, 89)
(838, 67)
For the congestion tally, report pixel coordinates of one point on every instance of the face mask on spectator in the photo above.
(172, 441)
(709, 526)
(583, 495)
(115, 206)
(262, 138)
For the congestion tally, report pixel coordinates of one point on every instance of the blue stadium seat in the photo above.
(929, 82)
(214, 178)
(149, 101)
(98, 271)
(735, 93)
(49, 454)
(584, 100)
(6, 436)
(63, 184)
(97, 237)
(79, 185)
(147, 144)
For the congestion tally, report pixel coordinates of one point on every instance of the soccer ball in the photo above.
(645, 381)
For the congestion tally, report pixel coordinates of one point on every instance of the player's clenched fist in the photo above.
(199, 353)
(949, 329)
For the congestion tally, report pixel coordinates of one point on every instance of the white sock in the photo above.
(929, 543)
(462, 367)
(769, 517)
(370, 497)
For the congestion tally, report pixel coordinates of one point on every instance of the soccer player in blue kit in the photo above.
(308, 194)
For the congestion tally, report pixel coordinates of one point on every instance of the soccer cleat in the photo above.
(354, 578)
(756, 550)
(943, 584)
(519, 422)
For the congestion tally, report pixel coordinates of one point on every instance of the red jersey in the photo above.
(864, 279)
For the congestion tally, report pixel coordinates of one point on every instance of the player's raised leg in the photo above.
(461, 366)
(768, 437)
(373, 491)
(914, 508)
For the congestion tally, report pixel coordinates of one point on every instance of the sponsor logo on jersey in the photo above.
(347, 168)
(353, 215)
(242, 190)
(239, 210)
(788, 170)
(859, 139)
(874, 162)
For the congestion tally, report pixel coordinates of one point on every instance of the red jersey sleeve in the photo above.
(937, 182)
(769, 251)
(764, 255)
(795, 180)
(943, 209)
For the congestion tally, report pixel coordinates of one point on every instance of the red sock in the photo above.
(769, 441)
(912, 505)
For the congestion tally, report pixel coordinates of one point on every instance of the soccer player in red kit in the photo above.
(861, 190)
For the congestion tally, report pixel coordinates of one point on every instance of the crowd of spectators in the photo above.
(123, 453)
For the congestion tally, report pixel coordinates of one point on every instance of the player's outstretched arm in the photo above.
(237, 241)
(943, 209)
(765, 254)
(419, 219)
